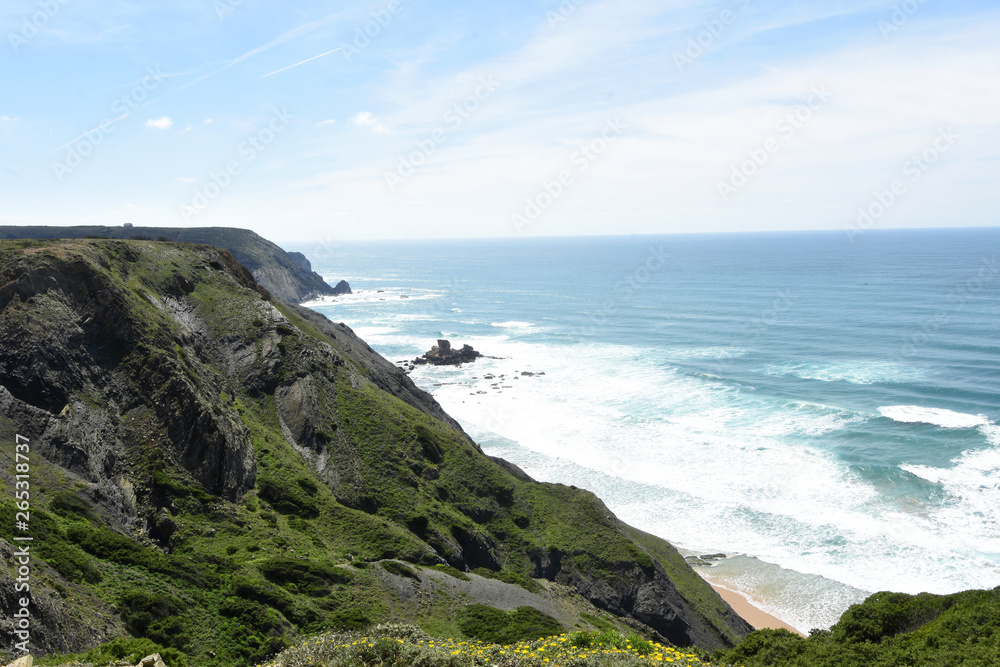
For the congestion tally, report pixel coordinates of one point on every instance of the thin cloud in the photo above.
(277, 41)
(326, 123)
(103, 127)
(301, 63)
(8, 119)
(163, 123)
(366, 119)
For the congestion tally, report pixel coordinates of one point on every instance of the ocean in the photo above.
(822, 408)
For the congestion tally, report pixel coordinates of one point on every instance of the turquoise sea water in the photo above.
(822, 409)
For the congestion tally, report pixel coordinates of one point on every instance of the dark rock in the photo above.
(713, 557)
(443, 354)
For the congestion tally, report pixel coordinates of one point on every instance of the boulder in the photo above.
(443, 354)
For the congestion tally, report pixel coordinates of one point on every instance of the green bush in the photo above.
(71, 506)
(886, 615)
(71, 563)
(888, 630)
(494, 626)
(276, 598)
(451, 571)
(132, 651)
(313, 579)
(350, 619)
(290, 499)
(398, 569)
(153, 616)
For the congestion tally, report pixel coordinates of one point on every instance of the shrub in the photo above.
(452, 571)
(154, 616)
(313, 579)
(289, 499)
(132, 651)
(398, 569)
(71, 506)
(500, 627)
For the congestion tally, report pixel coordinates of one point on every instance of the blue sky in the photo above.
(312, 121)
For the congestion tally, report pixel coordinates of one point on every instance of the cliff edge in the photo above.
(287, 275)
(219, 470)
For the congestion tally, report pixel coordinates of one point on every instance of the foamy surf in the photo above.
(804, 601)
(715, 412)
(854, 372)
(915, 414)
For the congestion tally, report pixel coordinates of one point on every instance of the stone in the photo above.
(443, 354)
(23, 661)
(152, 661)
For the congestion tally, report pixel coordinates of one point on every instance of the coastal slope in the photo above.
(219, 471)
(286, 275)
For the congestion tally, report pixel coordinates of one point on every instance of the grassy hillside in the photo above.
(218, 472)
(286, 275)
(888, 630)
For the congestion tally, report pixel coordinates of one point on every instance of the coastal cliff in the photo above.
(286, 275)
(219, 470)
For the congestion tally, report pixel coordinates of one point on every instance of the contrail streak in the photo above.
(301, 63)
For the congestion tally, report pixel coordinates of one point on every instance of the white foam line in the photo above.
(916, 414)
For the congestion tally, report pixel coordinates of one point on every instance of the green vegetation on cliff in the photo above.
(287, 275)
(218, 472)
(888, 630)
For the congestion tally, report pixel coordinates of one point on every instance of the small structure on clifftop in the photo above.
(443, 354)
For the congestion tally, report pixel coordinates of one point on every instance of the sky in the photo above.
(399, 119)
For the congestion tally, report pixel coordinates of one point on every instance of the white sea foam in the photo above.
(915, 414)
(803, 601)
(702, 462)
(855, 372)
(684, 353)
(689, 450)
(388, 296)
(512, 325)
(973, 484)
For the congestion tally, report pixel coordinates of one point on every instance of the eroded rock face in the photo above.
(151, 376)
(55, 626)
(443, 354)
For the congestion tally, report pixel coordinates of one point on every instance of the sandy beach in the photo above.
(751, 614)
